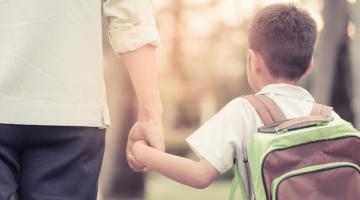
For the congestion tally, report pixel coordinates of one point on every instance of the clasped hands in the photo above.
(149, 132)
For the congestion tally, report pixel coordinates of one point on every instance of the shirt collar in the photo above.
(287, 90)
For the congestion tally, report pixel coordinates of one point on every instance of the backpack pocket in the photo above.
(331, 181)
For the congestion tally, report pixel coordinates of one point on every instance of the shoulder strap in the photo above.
(266, 108)
(238, 181)
(319, 109)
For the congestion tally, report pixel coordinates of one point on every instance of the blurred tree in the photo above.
(355, 49)
(205, 59)
(331, 83)
(176, 53)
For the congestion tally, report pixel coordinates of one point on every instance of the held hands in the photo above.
(144, 132)
(139, 150)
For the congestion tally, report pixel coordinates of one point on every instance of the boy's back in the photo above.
(226, 134)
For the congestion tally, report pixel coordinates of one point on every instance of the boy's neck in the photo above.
(271, 81)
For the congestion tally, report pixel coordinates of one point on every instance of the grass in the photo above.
(161, 188)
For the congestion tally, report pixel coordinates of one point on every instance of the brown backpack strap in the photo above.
(266, 108)
(323, 110)
(274, 110)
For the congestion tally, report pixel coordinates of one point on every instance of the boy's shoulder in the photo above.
(239, 109)
(238, 105)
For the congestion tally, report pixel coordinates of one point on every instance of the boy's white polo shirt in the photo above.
(226, 134)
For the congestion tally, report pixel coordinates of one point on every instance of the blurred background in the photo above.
(202, 66)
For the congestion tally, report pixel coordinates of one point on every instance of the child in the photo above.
(281, 40)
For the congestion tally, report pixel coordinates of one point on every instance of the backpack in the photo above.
(307, 158)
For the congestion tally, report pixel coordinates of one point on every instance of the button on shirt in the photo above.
(51, 57)
(226, 134)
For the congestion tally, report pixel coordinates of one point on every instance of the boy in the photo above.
(281, 39)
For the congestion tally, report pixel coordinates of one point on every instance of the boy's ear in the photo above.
(308, 70)
(257, 62)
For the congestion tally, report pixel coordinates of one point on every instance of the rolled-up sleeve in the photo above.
(131, 24)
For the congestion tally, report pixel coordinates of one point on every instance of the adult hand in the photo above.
(150, 131)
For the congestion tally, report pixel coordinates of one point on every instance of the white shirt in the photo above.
(227, 133)
(51, 57)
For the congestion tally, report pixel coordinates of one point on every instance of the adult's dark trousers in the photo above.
(50, 162)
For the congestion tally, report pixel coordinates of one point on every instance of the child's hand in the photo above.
(139, 150)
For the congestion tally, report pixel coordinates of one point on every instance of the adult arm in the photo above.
(142, 70)
(133, 35)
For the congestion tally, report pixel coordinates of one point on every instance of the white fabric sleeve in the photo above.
(221, 138)
(131, 24)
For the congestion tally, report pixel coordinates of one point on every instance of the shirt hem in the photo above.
(94, 116)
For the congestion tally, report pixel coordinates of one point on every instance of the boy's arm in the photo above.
(195, 174)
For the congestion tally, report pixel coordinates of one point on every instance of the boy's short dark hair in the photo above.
(284, 36)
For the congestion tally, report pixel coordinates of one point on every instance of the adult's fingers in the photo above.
(156, 140)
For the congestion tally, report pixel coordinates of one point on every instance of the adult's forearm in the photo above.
(141, 65)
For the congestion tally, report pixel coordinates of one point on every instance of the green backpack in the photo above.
(305, 158)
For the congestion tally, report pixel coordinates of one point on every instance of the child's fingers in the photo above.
(136, 166)
(133, 163)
